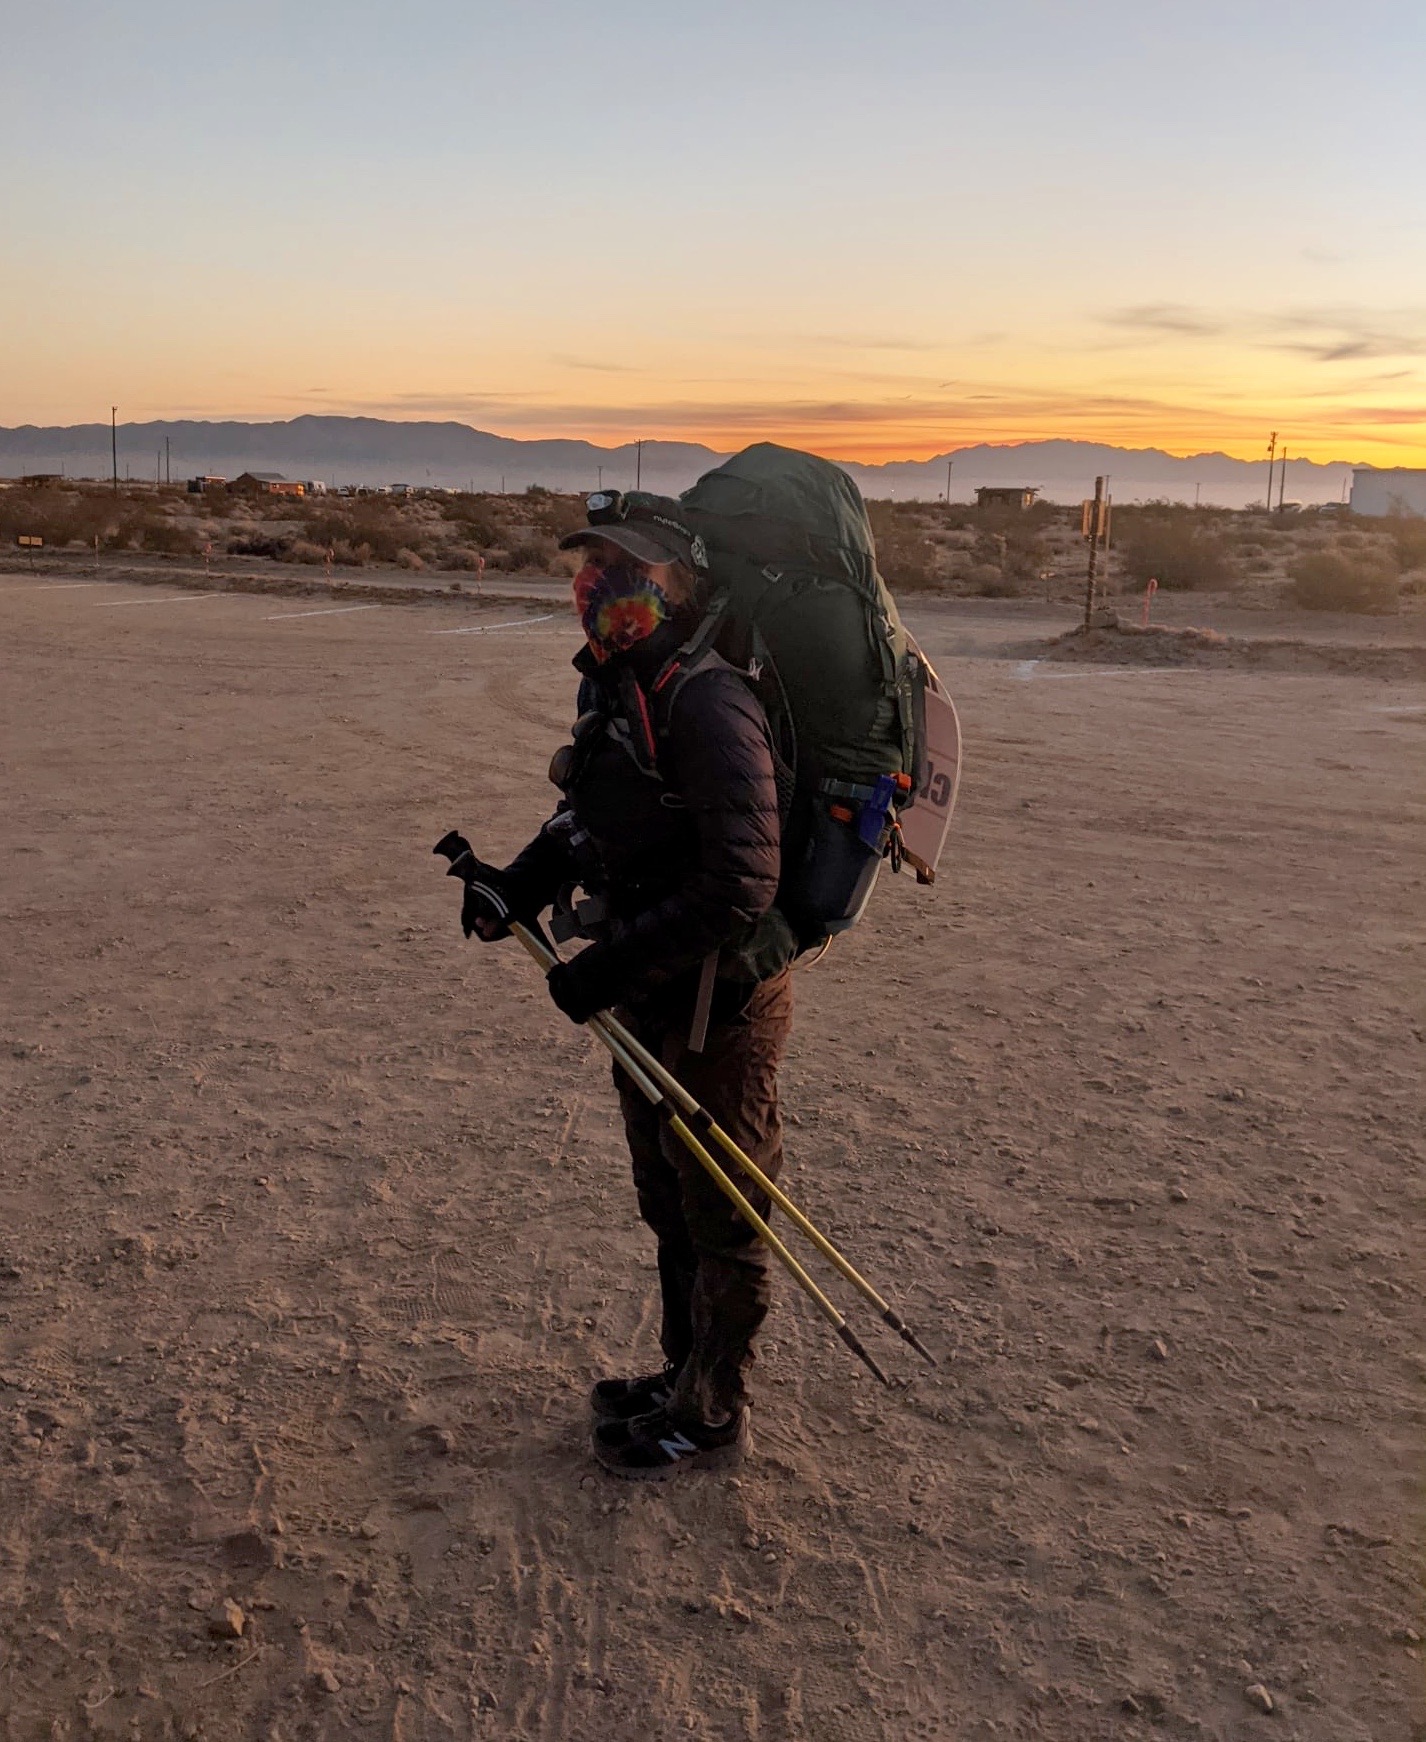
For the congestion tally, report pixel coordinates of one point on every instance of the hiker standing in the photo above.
(669, 823)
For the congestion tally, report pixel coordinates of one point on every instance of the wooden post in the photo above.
(1094, 514)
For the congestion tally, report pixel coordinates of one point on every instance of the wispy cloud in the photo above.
(1344, 335)
(1168, 317)
(1340, 333)
(865, 342)
(597, 367)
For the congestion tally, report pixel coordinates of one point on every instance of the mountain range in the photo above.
(370, 450)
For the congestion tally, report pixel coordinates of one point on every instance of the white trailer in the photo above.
(1388, 490)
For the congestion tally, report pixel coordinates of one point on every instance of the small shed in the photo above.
(1387, 490)
(207, 481)
(1017, 496)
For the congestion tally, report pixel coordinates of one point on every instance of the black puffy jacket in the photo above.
(671, 813)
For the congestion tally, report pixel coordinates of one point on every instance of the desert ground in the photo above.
(316, 1225)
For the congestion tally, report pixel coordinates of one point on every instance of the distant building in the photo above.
(40, 480)
(1388, 490)
(267, 484)
(1002, 496)
(209, 481)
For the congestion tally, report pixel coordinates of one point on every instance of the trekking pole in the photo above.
(647, 1087)
(624, 1048)
(706, 1126)
(701, 1121)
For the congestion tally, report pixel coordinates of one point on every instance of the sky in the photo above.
(877, 230)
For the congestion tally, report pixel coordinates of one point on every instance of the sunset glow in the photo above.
(877, 235)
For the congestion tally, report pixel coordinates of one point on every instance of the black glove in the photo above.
(489, 905)
(584, 985)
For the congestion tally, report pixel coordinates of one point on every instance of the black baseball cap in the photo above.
(647, 534)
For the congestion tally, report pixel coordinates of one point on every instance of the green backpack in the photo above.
(798, 606)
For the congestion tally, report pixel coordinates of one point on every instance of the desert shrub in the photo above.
(905, 556)
(410, 559)
(554, 516)
(375, 522)
(1331, 580)
(66, 516)
(278, 546)
(1174, 551)
(1408, 543)
(472, 524)
(460, 557)
(167, 536)
(990, 581)
(528, 553)
(1013, 544)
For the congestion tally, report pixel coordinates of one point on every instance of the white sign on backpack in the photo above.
(926, 820)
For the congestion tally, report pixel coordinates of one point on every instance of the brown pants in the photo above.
(713, 1269)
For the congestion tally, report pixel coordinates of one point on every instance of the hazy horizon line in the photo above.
(1169, 451)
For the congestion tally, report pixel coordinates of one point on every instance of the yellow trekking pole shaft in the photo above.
(706, 1125)
(622, 1045)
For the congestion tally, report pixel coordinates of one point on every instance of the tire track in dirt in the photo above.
(513, 695)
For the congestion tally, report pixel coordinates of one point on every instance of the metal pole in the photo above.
(1272, 456)
(949, 464)
(1282, 479)
(114, 443)
(167, 460)
(638, 464)
(1094, 514)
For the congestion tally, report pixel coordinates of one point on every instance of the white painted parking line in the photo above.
(53, 586)
(326, 611)
(487, 628)
(1031, 668)
(168, 599)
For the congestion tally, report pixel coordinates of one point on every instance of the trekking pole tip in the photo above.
(907, 1335)
(855, 1344)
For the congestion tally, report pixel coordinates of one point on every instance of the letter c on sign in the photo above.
(941, 791)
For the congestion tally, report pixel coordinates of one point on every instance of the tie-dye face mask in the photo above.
(619, 606)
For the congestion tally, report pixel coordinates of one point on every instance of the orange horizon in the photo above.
(860, 447)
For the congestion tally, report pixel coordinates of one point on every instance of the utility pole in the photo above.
(949, 464)
(601, 478)
(1196, 489)
(1282, 479)
(167, 460)
(114, 443)
(639, 463)
(1094, 515)
(1272, 456)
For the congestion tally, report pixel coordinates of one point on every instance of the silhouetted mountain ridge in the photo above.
(373, 450)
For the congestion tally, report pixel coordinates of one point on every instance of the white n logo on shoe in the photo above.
(677, 1446)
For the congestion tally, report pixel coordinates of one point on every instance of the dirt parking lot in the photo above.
(314, 1223)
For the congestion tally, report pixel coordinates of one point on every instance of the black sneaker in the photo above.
(651, 1447)
(623, 1399)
